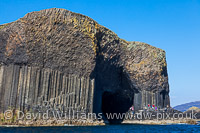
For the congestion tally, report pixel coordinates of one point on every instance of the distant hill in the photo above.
(186, 106)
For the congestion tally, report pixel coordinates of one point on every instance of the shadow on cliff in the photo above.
(113, 93)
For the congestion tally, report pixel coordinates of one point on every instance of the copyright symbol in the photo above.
(8, 114)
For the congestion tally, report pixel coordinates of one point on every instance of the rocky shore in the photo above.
(92, 122)
(16, 120)
(52, 122)
(161, 122)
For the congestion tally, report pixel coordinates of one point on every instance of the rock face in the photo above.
(193, 110)
(69, 60)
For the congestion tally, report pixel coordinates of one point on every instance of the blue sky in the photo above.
(173, 25)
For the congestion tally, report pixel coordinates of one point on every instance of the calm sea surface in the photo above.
(107, 128)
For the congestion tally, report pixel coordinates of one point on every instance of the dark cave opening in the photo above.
(114, 106)
(163, 93)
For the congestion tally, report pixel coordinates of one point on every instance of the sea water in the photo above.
(107, 128)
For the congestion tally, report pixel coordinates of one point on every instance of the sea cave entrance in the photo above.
(114, 104)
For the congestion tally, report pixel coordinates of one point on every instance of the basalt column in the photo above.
(24, 88)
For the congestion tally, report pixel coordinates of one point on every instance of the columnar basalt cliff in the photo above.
(68, 60)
